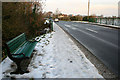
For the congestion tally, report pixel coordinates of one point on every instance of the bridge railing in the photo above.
(107, 21)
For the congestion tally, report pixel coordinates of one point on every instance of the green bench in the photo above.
(19, 49)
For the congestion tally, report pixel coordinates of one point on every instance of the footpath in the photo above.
(56, 56)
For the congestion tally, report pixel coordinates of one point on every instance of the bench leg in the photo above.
(19, 70)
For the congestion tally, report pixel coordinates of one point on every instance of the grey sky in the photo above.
(99, 7)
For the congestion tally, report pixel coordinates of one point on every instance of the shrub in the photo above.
(20, 17)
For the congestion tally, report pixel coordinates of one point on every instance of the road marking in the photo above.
(107, 42)
(70, 27)
(67, 25)
(74, 25)
(73, 28)
(91, 30)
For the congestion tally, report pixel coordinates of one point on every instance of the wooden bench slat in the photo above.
(30, 49)
(27, 50)
(15, 38)
(14, 48)
(16, 42)
(19, 41)
(21, 47)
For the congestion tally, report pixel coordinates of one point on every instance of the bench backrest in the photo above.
(16, 42)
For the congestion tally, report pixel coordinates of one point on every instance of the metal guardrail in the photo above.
(108, 21)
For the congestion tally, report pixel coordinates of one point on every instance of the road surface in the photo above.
(101, 41)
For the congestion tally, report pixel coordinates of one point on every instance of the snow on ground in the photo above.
(56, 56)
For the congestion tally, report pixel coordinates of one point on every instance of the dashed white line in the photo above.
(70, 27)
(74, 25)
(67, 25)
(107, 42)
(91, 30)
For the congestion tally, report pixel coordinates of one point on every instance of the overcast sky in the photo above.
(98, 7)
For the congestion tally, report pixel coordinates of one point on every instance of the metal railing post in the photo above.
(100, 20)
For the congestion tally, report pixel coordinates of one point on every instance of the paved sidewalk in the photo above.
(67, 59)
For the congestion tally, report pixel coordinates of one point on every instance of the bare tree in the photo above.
(57, 12)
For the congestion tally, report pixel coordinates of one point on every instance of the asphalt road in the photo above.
(101, 41)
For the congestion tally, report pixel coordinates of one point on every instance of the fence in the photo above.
(108, 21)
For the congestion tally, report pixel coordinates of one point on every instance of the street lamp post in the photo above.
(88, 8)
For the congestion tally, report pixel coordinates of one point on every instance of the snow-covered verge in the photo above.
(56, 56)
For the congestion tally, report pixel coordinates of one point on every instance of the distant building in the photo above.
(62, 15)
(119, 9)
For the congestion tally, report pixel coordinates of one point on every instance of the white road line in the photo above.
(73, 28)
(67, 25)
(107, 42)
(74, 25)
(70, 27)
(91, 30)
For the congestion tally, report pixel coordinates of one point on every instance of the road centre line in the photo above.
(107, 42)
(74, 25)
(70, 27)
(67, 25)
(91, 30)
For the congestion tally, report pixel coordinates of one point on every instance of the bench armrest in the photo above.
(19, 54)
